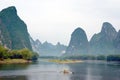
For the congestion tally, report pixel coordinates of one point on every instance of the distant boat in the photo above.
(66, 71)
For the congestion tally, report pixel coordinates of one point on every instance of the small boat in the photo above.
(65, 71)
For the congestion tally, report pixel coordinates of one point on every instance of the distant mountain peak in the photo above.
(119, 32)
(78, 31)
(58, 43)
(78, 43)
(102, 42)
(14, 33)
(108, 31)
(46, 42)
(118, 35)
(10, 10)
(117, 42)
(48, 49)
(107, 27)
(37, 40)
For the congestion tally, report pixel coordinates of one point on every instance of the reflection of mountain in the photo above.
(14, 78)
(48, 49)
(13, 31)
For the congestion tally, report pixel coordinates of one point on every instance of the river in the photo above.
(43, 70)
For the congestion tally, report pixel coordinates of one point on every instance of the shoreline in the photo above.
(66, 61)
(14, 61)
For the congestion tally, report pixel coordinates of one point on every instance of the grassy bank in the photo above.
(65, 61)
(14, 61)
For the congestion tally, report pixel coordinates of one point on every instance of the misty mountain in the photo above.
(117, 43)
(107, 41)
(78, 43)
(102, 43)
(13, 31)
(14, 35)
(35, 44)
(48, 49)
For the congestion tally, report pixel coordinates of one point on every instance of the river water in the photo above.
(43, 70)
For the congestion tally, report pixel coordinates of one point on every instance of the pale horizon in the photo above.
(55, 20)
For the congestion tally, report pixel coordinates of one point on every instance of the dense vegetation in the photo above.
(115, 57)
(17, 54)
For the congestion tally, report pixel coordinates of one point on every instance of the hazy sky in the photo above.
(55, 20)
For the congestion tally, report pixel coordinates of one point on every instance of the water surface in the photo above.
(88, 70)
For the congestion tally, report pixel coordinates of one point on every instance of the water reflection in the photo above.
(13, 66)
(52, 71)
(39, 71)
(50, 76)
(13, 78)
(94, 71)
(91, 76)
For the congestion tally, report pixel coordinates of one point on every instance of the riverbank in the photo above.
(14, 61)
(65, 61)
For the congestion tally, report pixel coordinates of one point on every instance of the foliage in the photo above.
(82, 57)
(3, 52)
(17, 54)
(113, 57)
(64, 61)
(101, 57)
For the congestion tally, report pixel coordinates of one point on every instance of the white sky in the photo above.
(55, 20)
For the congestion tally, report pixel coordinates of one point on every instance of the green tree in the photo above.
(3, 52)
(26, 53)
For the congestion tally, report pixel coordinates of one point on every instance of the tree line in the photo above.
(17, 54)
(111, 57)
